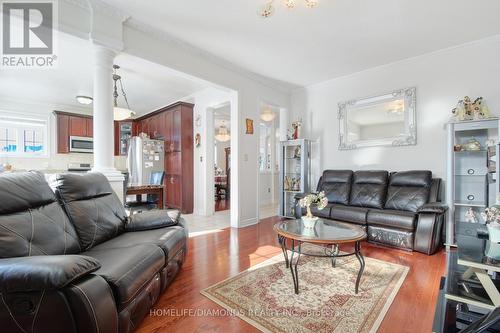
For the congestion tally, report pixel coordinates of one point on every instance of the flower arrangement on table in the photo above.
(492, 217)
(313, 199)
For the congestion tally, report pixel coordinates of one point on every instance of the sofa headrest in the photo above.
(371, 177)
(411, 178)
(21, 191)
(73, 187)
(337, 176)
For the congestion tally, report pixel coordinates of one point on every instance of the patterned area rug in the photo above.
(263, 295)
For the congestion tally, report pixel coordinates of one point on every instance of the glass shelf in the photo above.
(466, 203)
(470, 151)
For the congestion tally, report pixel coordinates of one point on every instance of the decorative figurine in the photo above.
(457, 147)
(470, 216)
(296, 125)
(468, 110)
(472, 145)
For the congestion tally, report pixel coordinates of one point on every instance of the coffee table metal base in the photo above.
(333, 254)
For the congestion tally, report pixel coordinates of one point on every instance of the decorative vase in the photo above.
(492, 250)
(309, 222)
(494, 233)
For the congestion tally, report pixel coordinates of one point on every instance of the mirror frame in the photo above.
(408, 139)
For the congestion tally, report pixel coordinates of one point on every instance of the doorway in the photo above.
(269, 140)
(222, 157)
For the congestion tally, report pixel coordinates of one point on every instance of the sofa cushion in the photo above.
(128, 269)
(408, 190)
(92, 206)
(31, 220)
(170, 240)
(337, 185)
(325, 212)
(392, 218)
(349, 214)
(369, 189)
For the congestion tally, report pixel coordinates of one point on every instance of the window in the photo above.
(33, 140)
(23, 137)
(8, 140)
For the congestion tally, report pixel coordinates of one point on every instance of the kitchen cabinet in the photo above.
(77, 126)
(124, 130)
(72, 124)
(62, 122)
(174, 125)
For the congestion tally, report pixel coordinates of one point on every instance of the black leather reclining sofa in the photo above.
(72, 261)
(399, 209)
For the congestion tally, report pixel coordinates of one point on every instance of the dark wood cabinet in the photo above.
(174, 124)
(71, 124)
(123, 131)
(77, 126)
(62, 122)
(90, 127)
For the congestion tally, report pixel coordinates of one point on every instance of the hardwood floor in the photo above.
(216, 256)
(222, 204)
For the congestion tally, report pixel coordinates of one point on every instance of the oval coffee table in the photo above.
(328, 233)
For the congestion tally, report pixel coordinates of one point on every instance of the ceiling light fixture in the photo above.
(268, 9)
(120, 113)
(223, 134)
(85, 100)
(267, 114)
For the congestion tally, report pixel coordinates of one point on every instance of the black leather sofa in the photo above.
(399, 209)
(72, 261)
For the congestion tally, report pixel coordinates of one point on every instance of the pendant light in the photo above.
(223, 134)
(119, 112)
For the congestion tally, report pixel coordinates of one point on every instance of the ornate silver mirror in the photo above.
(384, 120)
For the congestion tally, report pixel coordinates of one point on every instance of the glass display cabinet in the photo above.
(471, 171)
(294, 173)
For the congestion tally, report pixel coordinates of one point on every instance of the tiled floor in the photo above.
(198, 225)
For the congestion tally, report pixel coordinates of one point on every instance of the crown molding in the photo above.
(101, 7)
(149, 30)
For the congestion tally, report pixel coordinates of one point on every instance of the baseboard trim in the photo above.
(248, 222)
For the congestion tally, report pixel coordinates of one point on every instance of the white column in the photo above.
(103, 118)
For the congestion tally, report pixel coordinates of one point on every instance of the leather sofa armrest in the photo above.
(37, 273)
(152, 219)
(433, 207)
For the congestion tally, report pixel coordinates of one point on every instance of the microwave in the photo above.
(81, 144)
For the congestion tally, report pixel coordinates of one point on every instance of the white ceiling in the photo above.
(148, 86)
(304, 46)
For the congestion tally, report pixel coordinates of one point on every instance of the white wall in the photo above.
(441, 79)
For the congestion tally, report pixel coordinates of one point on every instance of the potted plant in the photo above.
(492, 217)
(313, 199)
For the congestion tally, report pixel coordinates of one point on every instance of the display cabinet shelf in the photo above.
(471, 174)
(294, 173)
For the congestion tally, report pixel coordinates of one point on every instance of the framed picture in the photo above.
(249, 126)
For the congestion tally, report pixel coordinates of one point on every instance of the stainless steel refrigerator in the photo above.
(144, 157)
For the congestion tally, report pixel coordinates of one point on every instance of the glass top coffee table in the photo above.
(328, 233)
